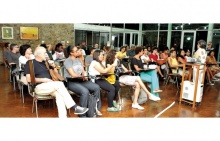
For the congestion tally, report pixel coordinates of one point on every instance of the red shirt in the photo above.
(154, 57)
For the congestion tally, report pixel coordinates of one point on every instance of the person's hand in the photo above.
(47, 80)
(51, 63)
(85, 78)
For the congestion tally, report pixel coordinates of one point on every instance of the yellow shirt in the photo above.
(111, 79)
(121, 55)
(174, 62)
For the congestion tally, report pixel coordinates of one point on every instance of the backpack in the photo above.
(142, 98)
(92, 105)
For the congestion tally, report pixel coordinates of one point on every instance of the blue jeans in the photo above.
(83, 89)
(151, 76)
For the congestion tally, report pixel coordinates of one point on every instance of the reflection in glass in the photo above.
(150, 38)
(175, 39)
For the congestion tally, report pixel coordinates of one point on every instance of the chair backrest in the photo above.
(32, 73)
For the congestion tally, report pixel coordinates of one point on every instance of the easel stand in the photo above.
(196, 83)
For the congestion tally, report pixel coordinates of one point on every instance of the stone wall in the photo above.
(49, 33)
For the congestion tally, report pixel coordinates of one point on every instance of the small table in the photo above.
(196, 81)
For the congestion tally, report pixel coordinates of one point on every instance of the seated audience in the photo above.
(146, 75)
(46, 84)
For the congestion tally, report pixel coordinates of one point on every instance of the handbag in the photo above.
(54, 73)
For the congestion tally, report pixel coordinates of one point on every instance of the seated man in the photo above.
(74, 68)
(7, 50)
(89, 58)
(14, 55)
(45, 83)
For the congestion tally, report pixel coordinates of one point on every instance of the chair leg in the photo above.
(22, 93)
(14, 81)
(33, 105)
(119, 96)
(36, 108)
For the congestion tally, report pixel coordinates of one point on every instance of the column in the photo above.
(139, 35)
(210, 32)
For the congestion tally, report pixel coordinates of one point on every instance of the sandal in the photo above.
(112, 109)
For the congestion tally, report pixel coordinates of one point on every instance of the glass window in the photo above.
(175, 39)
(127, 38)
(177, 26)
(163, 26)
(193, 26)
(162, 39)
(118, 25)
(135, 39)
(216, 26)
(150, 26)
(80, 36)
(134, 26)
(150, 38)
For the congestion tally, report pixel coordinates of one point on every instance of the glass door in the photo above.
(188, 39)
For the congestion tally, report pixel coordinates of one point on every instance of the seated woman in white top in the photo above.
(26, 54)
(145, 59)
(96, 68)
(59, 54)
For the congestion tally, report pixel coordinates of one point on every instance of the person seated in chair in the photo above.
(46, 84)
(97, 68)
(128, 79)
(145, 59)
(212, 66)
(74, 68)
(176, 67)
(26, 54)
(58, 54)
(146, 75)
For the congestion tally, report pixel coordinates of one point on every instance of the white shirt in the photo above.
(144, 57)
(83, 52)
(23, 60)
(58, 55)
(92, 70)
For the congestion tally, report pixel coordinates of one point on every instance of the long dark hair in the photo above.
(179, 54)
(110, 58)
(96, 57)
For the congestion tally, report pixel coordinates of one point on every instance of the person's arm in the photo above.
(68, 67)
(180, 60)
(38, 80)
(124, 68)
(100, 69)
(134, 62)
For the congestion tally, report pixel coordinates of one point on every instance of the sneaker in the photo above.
(80, 110)
(210, 83)
(115, 104)
(112, 109)
(158, 91)
(98, 113)
(215, 79)
(154, 98)
(137, 106)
